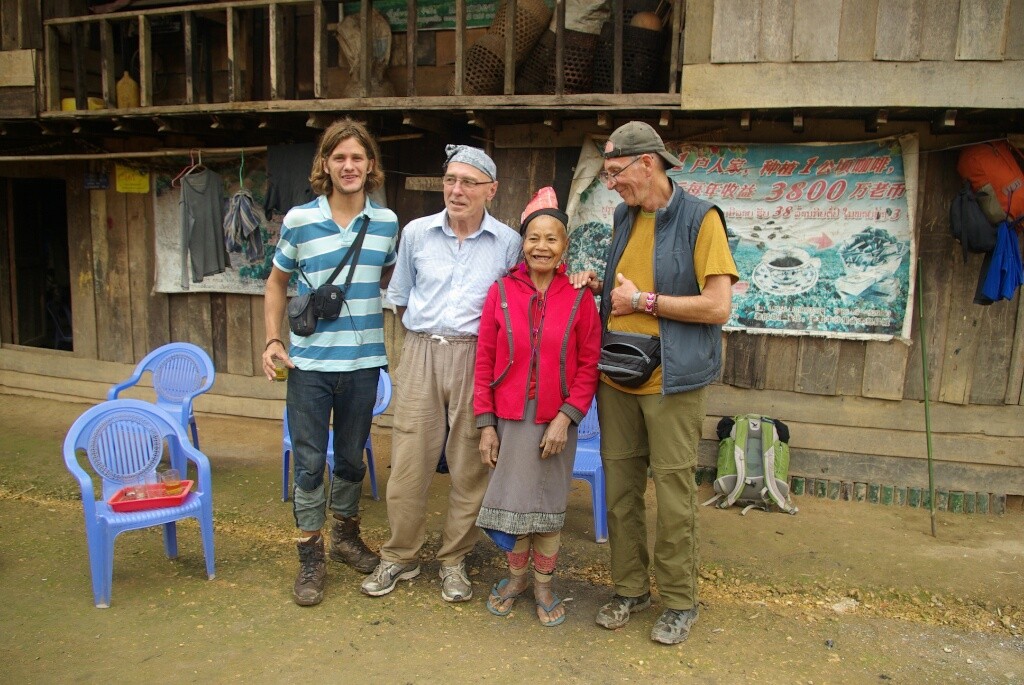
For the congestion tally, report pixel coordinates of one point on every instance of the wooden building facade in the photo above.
(232, 75)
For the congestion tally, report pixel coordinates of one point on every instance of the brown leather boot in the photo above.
(347, 547)
(309, 584)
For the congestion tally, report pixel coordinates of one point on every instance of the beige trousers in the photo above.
(434, 411)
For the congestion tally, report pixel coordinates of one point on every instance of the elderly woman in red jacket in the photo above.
(536, 374)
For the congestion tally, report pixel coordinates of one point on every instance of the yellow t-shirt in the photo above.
(711, 257)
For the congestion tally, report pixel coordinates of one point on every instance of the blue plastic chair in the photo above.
(181, 371)
(587, 466)
(123, 441)
(383, 400)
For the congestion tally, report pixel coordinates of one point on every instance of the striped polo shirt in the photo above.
(313, 242)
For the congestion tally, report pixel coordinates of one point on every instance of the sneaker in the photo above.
(455, 585)
(386, 576)
(674, 626)
(615, 613)
(309, 584)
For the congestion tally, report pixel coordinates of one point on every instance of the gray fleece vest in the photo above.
(691, 353)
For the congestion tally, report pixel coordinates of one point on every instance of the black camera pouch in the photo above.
(301, 315)
(327, 301)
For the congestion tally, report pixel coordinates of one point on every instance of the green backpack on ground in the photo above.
(751, 446)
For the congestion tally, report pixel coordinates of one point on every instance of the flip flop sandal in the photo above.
(496, 593)
(547, 609)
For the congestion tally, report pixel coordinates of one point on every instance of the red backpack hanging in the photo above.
(992, 168)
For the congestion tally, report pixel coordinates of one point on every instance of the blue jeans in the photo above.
(312, 396)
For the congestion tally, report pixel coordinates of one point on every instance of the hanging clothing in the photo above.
(288, 168)
(242, 227)
(202, 221)
(1006, 272)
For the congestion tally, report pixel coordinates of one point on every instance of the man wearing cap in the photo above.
(669, 274)
(446, 264)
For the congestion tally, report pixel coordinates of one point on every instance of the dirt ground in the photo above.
(842, 592)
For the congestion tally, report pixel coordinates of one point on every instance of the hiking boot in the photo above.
(455, 585)
(309, 584)
(348, 548)
(674, 626)
(386, 576)
(615, 613)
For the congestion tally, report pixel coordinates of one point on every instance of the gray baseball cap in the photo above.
(637, 138)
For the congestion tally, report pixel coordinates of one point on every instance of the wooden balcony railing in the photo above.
(259, 54)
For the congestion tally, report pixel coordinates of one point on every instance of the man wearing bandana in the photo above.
(446, 264)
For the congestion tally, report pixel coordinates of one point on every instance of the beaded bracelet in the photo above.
(655, 309)
(271, 342)
(649, 303)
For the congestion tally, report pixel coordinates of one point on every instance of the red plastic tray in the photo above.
(157, 497)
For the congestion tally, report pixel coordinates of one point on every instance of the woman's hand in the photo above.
(489, 446)
(587, 279)
(555, 436)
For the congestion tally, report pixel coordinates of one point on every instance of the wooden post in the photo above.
(78, 66)
(460, 46)
(510, 47)
(617, 51)
(107, 77)
(411, 39)
(277, 58)
(145, 62)
(559, 47)
(188, 30)
(319, 49)
(234, 66)
(52, 48)
(676, 52)
(366, 70)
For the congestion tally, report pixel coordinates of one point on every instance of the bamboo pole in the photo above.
(927, 406)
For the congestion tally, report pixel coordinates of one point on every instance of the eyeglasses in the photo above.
(609, 176)
(467, 183)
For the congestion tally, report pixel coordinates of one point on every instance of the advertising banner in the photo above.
(822, 234)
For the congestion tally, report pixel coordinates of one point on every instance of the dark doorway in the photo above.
(38, 310)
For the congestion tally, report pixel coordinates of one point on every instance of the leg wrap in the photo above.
(545, 553)
(519, 557)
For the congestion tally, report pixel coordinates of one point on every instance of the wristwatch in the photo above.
(635, 301)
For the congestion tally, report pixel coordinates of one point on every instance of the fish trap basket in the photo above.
(485, 59)
(532, 18)
(538, 71)
(642, 50)
(485, 67)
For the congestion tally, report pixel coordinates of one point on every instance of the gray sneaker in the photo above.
(386, 576)
(455, 585)
(674, 626)
(615, 613)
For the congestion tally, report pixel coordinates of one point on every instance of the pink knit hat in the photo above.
(543, 202)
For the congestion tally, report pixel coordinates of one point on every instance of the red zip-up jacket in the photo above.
(570, 344)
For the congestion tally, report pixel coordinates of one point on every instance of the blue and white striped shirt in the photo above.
(442, 282)
(313, 242)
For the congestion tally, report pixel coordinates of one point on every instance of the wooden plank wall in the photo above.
(847, 397)
(746, 31)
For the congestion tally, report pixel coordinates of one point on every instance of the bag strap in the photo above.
(353, 252)
(768, 438)
(739, 433)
